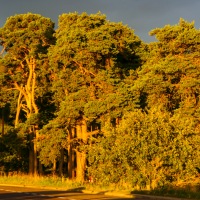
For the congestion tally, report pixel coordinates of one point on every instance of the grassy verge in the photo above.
(54, 182)
(186, 191)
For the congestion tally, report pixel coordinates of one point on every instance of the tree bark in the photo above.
(35, 166)
(81, 155)
(26, 101)
(61, 161)
(31, 155)
(54, 167)
(40, 168)
(2, 122)
(71, 162)
(18, 109)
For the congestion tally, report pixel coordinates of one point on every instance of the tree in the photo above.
(171, 76)
(26, 38)
(51, 143)
(90, 58)
(169, 81)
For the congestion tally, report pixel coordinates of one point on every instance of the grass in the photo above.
(190, 191)
(186, 191)
(40, 181)
(55, 182)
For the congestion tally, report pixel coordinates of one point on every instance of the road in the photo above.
(25, 193)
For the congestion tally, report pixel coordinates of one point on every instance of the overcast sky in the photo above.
(140, 15)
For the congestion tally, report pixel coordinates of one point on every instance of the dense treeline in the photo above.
(91, 99)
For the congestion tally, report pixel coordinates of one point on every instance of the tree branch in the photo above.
(2, 51)
(33, 88)
(83, 69)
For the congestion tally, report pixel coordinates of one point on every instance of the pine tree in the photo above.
(25, 39)
(89, 60)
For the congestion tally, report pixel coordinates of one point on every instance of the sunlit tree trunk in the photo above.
(26, 102)
(18, 109)
(81, 165)
(2, 122)
(54, 167)
(81, 155)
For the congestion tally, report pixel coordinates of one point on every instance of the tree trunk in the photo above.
(81, 165)
(35, 166)
(81, 155)
(31, 155)
(2, 122)
(73, 158)
(54, 168)
(26, 101)
(71, 166)
(40, 168)
(61, 161)
(18, 109)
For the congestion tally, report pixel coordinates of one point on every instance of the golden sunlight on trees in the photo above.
(25, 39)
(90, 99)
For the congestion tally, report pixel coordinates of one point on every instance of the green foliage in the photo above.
(147, 151)
(140, 102)
(89, 60)
(26, 32)
(13, 151)
(25, 39)
(52, 139)
(157, 144)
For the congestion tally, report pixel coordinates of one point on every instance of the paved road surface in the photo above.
(24, 193)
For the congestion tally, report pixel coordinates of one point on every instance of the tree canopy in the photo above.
(90, 98)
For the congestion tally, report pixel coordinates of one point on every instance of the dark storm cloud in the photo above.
(141, 15)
